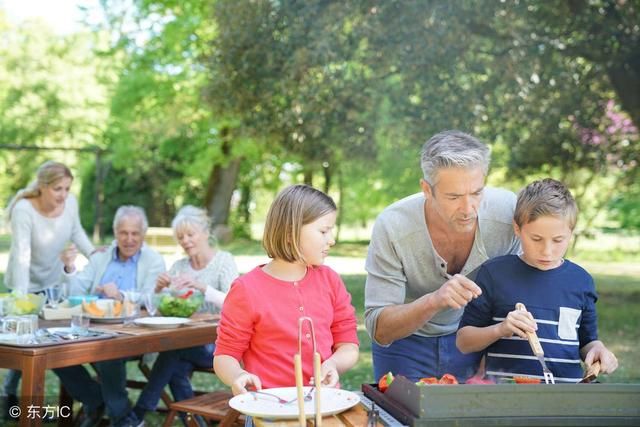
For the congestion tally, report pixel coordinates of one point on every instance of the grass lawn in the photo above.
(618, 284)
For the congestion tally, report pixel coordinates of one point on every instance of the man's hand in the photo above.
(456, 292)
(68, 258)
(109, 290)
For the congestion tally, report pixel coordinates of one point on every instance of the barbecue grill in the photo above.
(509, 404)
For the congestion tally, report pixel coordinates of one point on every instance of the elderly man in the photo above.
(127, 265)
(424, 253)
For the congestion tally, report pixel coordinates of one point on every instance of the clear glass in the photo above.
(80, 324)
(131, 306)
(54, 295)
(149, 301)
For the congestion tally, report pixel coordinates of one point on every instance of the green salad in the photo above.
(179, 306)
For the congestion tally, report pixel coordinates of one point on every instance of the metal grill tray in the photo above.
(509, 404)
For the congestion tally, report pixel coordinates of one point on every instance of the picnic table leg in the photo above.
(32, 390)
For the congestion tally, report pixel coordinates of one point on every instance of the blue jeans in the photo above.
(174, 368)
(11, 382)
(80, 386)
(416, 357)
(112, 389)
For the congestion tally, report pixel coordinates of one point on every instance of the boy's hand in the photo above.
(457, 292)
(244, 381)
(518, 322)
(608, 361)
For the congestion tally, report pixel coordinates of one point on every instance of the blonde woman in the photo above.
(207, 269)
(44, 220)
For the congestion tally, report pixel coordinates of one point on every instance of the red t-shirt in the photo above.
(259, 323)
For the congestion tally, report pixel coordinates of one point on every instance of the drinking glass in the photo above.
(149, 302)
(26, 329)
(80, 324)
(54, 294)
(131, 306)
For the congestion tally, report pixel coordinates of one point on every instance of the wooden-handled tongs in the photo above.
(536, 347)
(317, 377)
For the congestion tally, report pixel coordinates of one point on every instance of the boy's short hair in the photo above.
(293, 207)
(546, 197)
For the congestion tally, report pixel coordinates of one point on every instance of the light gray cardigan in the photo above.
(150, 265)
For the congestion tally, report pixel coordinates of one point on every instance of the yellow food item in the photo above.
(93, 309)
(117, 308)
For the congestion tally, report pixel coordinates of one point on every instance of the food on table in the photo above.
(179, 304)
(385, 381)
(93, 309)
(106, 308)
(24, 304)
(117, 308)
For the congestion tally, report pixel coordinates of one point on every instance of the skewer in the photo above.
(317, 375)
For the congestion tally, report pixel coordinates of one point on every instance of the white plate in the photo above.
(61, 330)
(162, 322)
(333, 401)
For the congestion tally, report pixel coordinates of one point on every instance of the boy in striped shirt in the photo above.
(559, 295)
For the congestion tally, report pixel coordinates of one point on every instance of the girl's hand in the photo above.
(163, 281)
(518, 322)
(330, 374)
(244, 381)
(608, 361)
(68, 258)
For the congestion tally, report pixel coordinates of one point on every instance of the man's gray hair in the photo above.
(453, 148)
(128, 211)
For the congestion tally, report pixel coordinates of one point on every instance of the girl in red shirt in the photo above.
(259, 324)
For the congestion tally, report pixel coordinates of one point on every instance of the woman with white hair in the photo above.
(207, 269)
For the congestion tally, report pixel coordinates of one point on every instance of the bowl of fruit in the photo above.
(179, 302)
(17, 304)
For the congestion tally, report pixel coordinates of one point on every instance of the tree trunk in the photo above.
(341, 199)
(327, 178)
(222, 182)
(308, 176)
(625, 78)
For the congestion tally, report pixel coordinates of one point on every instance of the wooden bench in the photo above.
(211, 406)
(161, 239)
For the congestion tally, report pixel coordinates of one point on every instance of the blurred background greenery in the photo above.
(221, 103)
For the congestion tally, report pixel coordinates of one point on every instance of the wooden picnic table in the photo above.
(136, 340)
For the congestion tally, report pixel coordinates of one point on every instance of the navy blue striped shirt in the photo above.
(562, 302)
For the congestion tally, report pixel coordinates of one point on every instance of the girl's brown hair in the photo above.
(294, 207)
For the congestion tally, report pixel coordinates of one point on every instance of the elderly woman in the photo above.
(206, 269)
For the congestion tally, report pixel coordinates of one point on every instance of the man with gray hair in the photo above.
(127, 265)
(424, 253)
